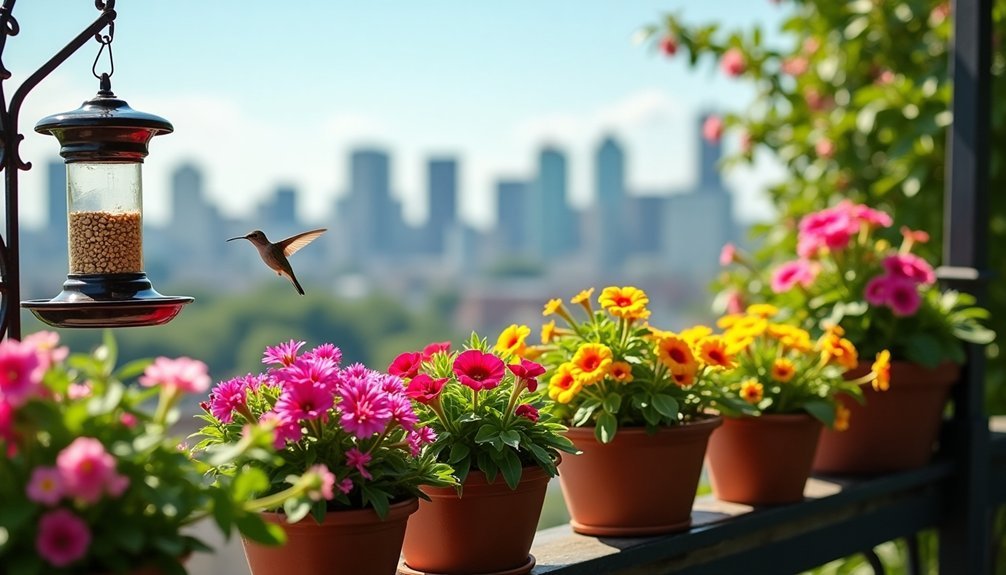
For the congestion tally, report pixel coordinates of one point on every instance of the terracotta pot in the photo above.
(489, 528)
(346, 543)
(639, 484)
(895, 429)
(763, 460)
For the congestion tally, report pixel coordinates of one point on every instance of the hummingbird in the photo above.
(275, 254)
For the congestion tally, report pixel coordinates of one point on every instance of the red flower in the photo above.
(479, 370)
(436, 347)
(528, 371)
(424, 388)
(668, 46)
(406, 365)
(527, 410)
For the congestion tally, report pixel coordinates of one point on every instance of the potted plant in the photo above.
(789, 385)
(636, 398)
(482, 403)
(356, 422)
(885, 297)
(92, 483)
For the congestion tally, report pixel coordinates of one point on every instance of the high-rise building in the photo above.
(280, 210)
(442, 187)
(373, 216)
(554, 223)
(512, 208)
(609, 168)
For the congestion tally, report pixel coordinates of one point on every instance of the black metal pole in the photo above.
(10, 277)
(965, 540)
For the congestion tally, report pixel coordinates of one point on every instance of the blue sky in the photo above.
(268, 93)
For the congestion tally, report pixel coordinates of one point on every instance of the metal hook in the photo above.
(106, 42)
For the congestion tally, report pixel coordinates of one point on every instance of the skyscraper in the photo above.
(513, 227)
(610, 181)
(553, 221)
(372, 214)
(280, 210)
(442, 186)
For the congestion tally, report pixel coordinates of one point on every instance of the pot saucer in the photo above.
(522, 570)
(618, 531)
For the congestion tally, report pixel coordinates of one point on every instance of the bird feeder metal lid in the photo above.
(104, 129)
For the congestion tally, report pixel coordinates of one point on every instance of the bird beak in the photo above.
(238, 238)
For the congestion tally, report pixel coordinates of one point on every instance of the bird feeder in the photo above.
(103, 143)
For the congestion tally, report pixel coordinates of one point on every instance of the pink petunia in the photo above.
(7, 435)
(733, 62)
(326, 486)
(424, 388)
(406, 365)
(20, 373)
(87, 470)
(712, 129)
(182, 374)
(45, 486)
(728, 254)
(528, 371)
(434, 348)
(865, 214)
(63, 538)
(904, 299)
(910, 266)
(359, 460)
(827, 229)
(479, 370)
(304, 401)
(46, 343)
(282, 354)
(878, 290)
(789, 274)
(528, 411)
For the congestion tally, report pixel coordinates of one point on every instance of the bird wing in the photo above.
(292, 244)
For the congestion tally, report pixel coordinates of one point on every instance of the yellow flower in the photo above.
(583, 298)
(674, 351)
(737, 341)
(548, 332)
(591, 363)
(563, 387)
(512, 340)
(835, 349)
(656, 333)
(882, 371)
(752, 391)
(842, 415)
(694, 334)
(621, 372)
(783, 370)
(625, 302)
(750, 325)
(728, 321)
(764, 310)
(684, 374)
(791, 337)
(555, 306)
(714, 351)
(533, 352)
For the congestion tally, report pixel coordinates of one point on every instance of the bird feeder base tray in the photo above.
(114, 313)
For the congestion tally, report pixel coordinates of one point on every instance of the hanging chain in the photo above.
(106, 42)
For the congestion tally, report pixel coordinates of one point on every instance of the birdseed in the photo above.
(106, 242)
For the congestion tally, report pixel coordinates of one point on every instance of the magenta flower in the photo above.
(406, 365)
(321, 372)
(227, 397)
(904, 299)
(304, 401)
(830, 228)
(20, 373)
(325, 351)
(7, 428)
(88, 471)
(434, 348)
(527, 410)
(733, 63)
(285, 428)
(359, 460)
(727, 254)
(424, 388)
(401, 411)
(282, 354)
(345, 486)
(528, 371)
(420, 437)
(365, 407)
(734, 302)
(789, 274)
(79, 390)
(866, 215)
(910, 266)
(712, 129)
(129, 420)
(479, 370)
(63, 538)
(45, 486)
(325, 490)
(182, 374)
(878, 290)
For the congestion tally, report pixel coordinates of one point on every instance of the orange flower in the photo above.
(684, 374)
(674, 351)
(621, 372)
(783, 370)
(512, 340)
(752, 391)
(554, 306)
(563, 387)
(791, 337)
(583, 298)
(882, 371)
(548, 332)
(842, 416)
(714, 351)
(625, 302)
(835, 349)
(591, 363)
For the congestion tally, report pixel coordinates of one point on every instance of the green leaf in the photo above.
(260, 531)
(296, 509)
(822, 410)
(111, 353)
(459, 451)
(487, 433)
(107, 402)
(248, 483)
(612, 403)
(511, 438)
(223, 512)
(376, 498)
(318, 511)
(132, 369)
(607, 425)
(510, 466)
(924, 349)
(23, 564)
(665, 404)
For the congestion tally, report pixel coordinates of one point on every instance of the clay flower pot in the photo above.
(639, 484)
(347, 542)
(763, 460)
(488, 529)
(895, 429)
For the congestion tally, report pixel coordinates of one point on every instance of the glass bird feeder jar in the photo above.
(103, 143)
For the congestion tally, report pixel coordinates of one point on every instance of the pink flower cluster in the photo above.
(182, 374)
(898, 287)
(84, 471)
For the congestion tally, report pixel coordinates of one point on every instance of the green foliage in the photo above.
(854, 100)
